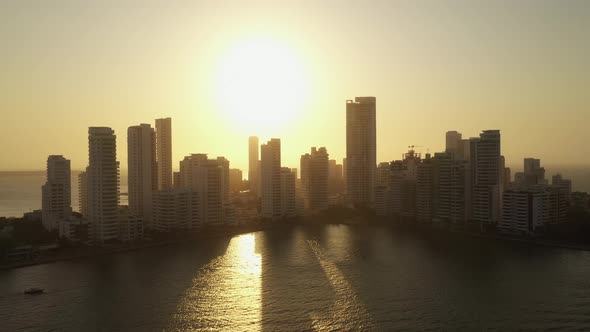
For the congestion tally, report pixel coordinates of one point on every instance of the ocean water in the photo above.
(322, 278)
(20, 192)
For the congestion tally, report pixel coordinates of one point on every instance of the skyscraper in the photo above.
(361, 150)
(224, 163)
(314, 179)
(335, 178)
(425, 189)
(288, 194)
(142, 168)
(270, 179)
(487, 172)
(56, 193)
(83, 192)
(453, 142)
(164, 153)
(235, 180)
(253, 163)
(103, 183)
(450, 175)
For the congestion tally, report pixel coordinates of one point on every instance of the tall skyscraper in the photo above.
(449, 193)
(83, 192)
(270, 179)
(103, 183)
(142, 168)
(56, 193)
(487, 172)
(288, 194)
(253, 148)
(361, 149)
(164, 153)
(314, 179)
(425, 189)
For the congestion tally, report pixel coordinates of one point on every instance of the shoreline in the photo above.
(88, 251)
(215, 233)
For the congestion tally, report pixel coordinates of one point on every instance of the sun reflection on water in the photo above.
(226, 293)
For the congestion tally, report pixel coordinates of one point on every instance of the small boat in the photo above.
(34, 290)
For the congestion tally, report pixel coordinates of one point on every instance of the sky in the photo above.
(225, 70)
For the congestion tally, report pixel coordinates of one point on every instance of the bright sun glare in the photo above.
(261, 86)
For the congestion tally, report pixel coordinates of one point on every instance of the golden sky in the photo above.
(224, 70)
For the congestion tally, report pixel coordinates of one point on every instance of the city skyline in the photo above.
(287, 165)
(511, 68)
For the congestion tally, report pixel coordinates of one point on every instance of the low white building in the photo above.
(176, 210)
(130, 225)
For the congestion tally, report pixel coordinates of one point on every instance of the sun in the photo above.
(261, 86)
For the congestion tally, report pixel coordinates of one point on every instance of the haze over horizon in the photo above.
(223, 72)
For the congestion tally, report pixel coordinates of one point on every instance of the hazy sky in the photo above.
(519, 66)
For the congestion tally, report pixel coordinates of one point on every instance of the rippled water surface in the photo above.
(308, 278)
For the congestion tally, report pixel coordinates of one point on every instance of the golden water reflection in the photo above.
(226, 292)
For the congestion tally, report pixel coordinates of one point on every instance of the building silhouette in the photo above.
(164, 153)
(175, 210)
(487, 172)
(530, 203)
(207, 179)
(361, 150)
(253, 171)
(314, 179)
(103, 184)
(235, 180)
(270, 179)
(142, 171)
(56, 193)
(83, 192)
(288, 193)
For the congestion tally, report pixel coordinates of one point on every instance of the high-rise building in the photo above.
(487, 172)
(449, 193)
(288, 193)
(454, 142)
(176, 176)
(344, 172)
(270, 179)
(83, 192)
(383, 174)
(224, 163)
(56, 193)
(424, 190)
(235, 180)
(523, 211)
(335, 178)
(253, 148)
(103, 183)
(206, 177)
(361, 150)
(164, 153)
(314, 179)
(566, 185)
(533, 174)
(142, 172)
